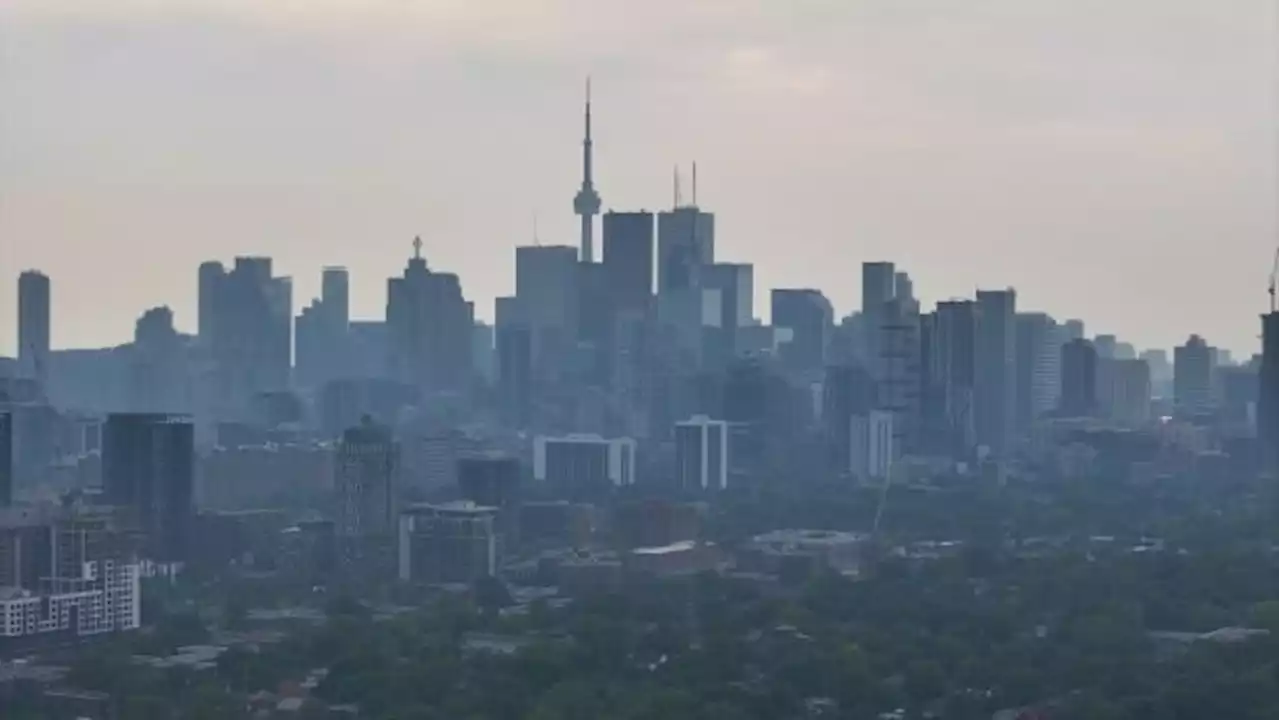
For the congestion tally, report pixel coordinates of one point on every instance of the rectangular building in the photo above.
(453, 542)
(871, 448)
(583, 464)
(148, 466)
(686, 243)
(628, 259)
(702, 454)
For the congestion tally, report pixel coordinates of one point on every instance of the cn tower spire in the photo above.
(586, 204)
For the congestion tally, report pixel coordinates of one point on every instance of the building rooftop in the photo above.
(682, 546)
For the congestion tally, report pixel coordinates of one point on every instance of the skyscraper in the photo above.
(158, 373)
(548, 284)
(586, 204)
(1193, 378)
(995, 387)
(210, 276)
(702, 454)
(1039, 358)
(322, 332)
(429, 328)
(33, 325)
(251, 327)
(1267, 392)
(1079, 396)
(6, 459)
(952, 375)
(628, 259)
(368, 464)
(808, 315)
(148, 466)
(686, 243)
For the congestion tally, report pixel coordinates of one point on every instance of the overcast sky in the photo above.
(1114, 161)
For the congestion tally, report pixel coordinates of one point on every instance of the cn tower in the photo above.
(586, 204)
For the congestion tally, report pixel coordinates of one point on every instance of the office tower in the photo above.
(952, 374)
(1072, 329)
(847, 390)
(428, 328)
(808, 315)
(702, 454)
(871, 449)
(1039, 357)
(454, 542)
(491, 479)
(898, 360)
(6, 459)
(367, 479)
(157, 365)
(514, 347)
(322, 332)
(628, 259)
(878, 286)
(686, 243)
(1161, 371)
(1193, 378)
(582, 465)
(1106, 346)
(484, 363)
(148, 467)
(903, 288)
(548, 284)
(586, 204)
(209, 288)
(1124, 391)
(33, 326)
(996, 380)
(1267, 392)
(251, 333)
(1079, 379)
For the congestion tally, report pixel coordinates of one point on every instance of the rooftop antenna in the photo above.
(417, 247)
(695, 183)
(536, 240)
(675, 187)
(1271, 282)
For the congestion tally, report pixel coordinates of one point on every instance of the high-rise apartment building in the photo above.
(367, 475)
(996, 379)
(702, 453)
(871, 448)
(322, 332)
(428, 328)
(148, 467)
(158, 368)
(250, 314)
(1193, 378)
(1124, 391)
(34, 325)
(952, 375)
(455, 542)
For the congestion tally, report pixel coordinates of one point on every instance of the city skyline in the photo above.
(1072, 196)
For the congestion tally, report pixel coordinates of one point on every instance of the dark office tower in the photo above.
(628, 259)
(322, 333)
(1267, 393)
(996, 380)
(335, 295)
(847, 390)
(547, 285)
(878, 285)
(148, 467)
(686, 242)
(211, 275)
(490, 479)
(33, 325)
(6, 459)
(1039, 358)
(808, 315)
(952, 375)
(586, 204)
(157, 369)
(1193, 378)
(429, 328)
(252, 339)
(513, 345)
(736, 284)
(1079, 397)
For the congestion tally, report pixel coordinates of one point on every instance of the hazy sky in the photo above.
(1114, 161)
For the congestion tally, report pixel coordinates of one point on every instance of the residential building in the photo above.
(702, 453)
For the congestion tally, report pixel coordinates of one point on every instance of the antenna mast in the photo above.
(1271, 282)
(695, 183)
(675, 187)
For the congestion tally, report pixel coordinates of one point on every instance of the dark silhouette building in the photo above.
(6, 459)
(491, 479)
(33, 325)
(148, 467)
(1267, 393)
(628, 259)
(1079, 396)
(808, 314)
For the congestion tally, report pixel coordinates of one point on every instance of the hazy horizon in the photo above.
(1112, 162)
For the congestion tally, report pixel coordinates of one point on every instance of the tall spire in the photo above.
(586, 204)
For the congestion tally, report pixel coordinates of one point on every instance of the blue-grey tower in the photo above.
(586, 204)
